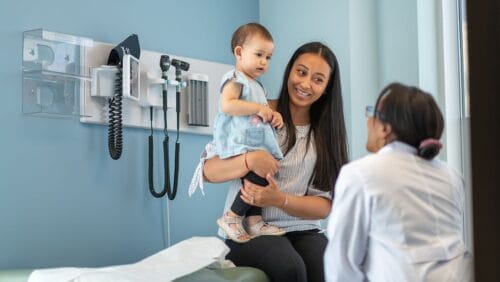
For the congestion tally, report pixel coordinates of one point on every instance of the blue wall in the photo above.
(295, 22)
(398, 38)
(349, 27)
(376, 43)
(63, 201)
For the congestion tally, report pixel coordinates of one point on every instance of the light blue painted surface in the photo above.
(398, 42)
(376, 42)
(364, 44)
(63, 201)
(350, 29)
(428, 47)
(294, 22)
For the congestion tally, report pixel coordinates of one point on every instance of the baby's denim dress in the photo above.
(235, 135)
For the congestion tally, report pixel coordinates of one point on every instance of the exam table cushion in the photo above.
(16, 275)
(237, 274)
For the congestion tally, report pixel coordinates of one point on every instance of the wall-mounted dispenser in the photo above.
(54, 73)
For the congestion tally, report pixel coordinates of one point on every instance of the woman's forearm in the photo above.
(308, 207)
(217, 170)
(221, 170)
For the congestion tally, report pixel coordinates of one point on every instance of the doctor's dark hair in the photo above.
(326, 119)
(413, 115)
(247, 31)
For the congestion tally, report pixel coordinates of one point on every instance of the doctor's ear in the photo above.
(387, 131)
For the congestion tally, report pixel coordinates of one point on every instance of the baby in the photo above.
(246, 123)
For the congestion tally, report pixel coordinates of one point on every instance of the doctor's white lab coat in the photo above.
(397, 217)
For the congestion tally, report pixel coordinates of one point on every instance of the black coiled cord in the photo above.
(167, 188)
(115, 130)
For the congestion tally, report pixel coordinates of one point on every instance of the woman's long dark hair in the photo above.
(326, 118)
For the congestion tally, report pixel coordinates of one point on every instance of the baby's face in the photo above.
(255, 56)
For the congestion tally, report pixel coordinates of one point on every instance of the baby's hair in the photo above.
(246, 31)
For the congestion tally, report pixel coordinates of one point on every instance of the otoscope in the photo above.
(179, 67)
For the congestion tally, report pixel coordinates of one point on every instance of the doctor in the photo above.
(398, 214)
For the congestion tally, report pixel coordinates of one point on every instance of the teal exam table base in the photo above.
(237, 274)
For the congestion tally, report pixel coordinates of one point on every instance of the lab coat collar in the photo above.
(399, 146)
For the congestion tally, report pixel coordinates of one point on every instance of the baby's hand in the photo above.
(265, 113)
(277, 121)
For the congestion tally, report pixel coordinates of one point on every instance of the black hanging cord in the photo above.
(167, 189)
(115, 130)
(177, 143)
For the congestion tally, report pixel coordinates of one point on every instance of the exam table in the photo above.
(238, 274)
(193, 259)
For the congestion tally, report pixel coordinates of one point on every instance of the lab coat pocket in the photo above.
(435, 253)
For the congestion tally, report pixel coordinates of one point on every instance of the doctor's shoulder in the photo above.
(371, 162)
(361, 168)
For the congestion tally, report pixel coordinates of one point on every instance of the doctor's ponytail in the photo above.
(429, 148)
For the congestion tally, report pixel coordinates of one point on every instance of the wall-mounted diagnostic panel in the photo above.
(69, 76)
(199, 91)
(122, 85)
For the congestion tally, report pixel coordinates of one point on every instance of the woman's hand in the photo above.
(262, 163)
(256, 195)
(307, 207)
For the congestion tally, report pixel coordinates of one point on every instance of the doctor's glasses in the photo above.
(371, 113)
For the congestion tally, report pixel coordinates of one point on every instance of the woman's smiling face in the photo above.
(308, 80)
